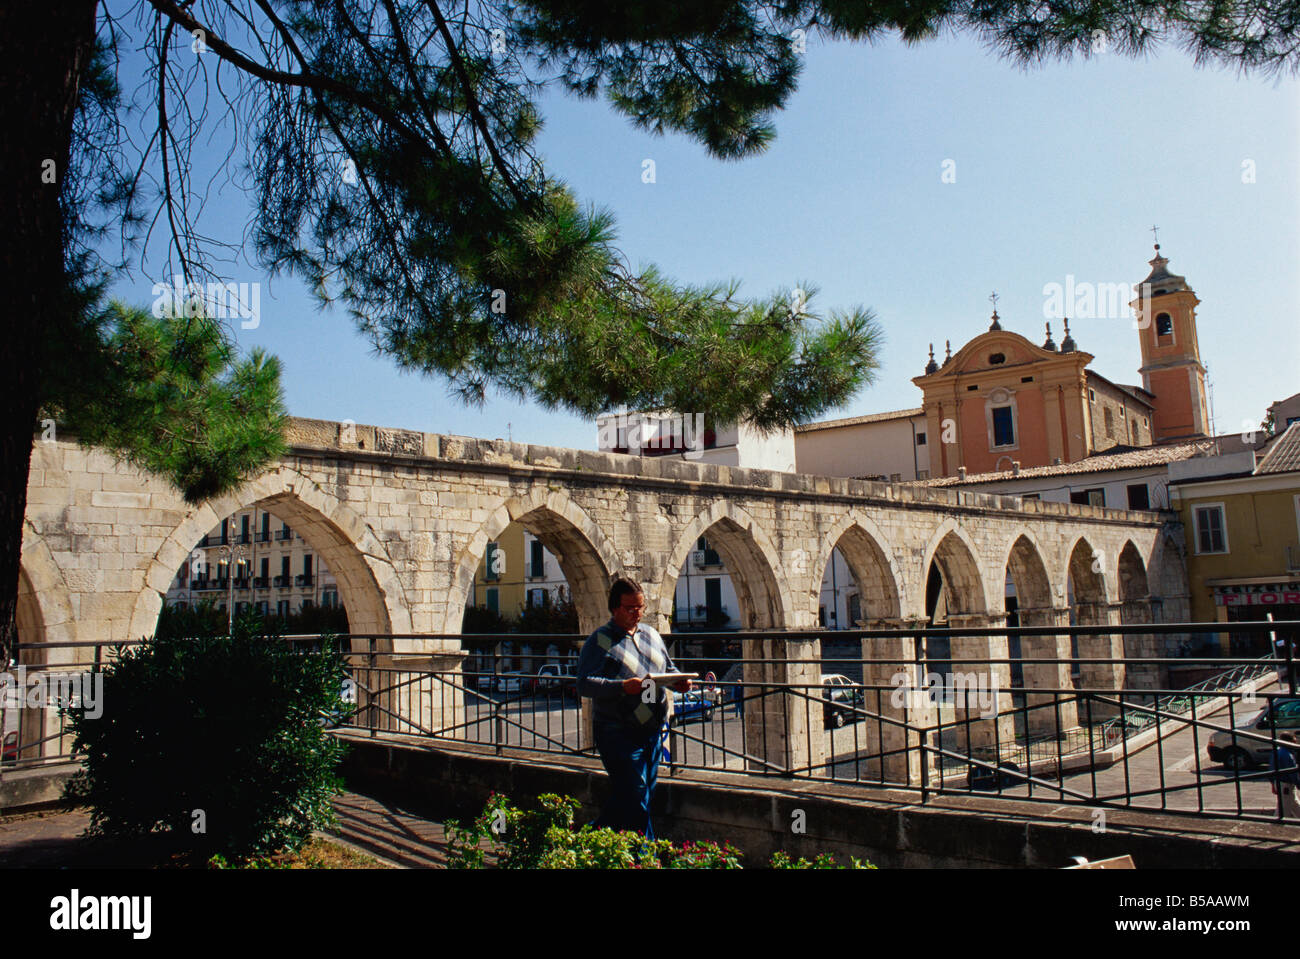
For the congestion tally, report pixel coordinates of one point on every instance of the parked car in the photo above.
(556, 677)
(506, 684)
(840, 697)
(1251, 745)
(693, 703)
(9, 751)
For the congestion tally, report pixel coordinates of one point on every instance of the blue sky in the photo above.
(1056, 171)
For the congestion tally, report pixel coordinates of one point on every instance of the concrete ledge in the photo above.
(890, 827)
(25, 790)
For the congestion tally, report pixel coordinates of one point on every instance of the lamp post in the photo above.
(231, 554)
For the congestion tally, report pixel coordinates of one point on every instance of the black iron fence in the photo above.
(934, 711)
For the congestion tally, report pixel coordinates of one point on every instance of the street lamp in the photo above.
(232, 555)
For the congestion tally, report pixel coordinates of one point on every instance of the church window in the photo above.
(1004, 433)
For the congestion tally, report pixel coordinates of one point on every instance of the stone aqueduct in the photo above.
(403, 519)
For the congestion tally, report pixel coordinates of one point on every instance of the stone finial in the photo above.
(932, 366)
(1050, 344)
(1068, 345)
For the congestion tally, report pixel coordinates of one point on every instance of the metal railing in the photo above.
(1211, 748)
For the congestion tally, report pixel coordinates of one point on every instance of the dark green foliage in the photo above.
(556, 616)
(205, 619)
(168, 395)
(230, 726)
(543, 836)
(480, 619)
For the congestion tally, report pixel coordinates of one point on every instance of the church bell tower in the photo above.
(1171, 358)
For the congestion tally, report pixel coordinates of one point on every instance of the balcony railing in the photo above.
(304, 579)
(281, 582)
(263, 536)
(241, 583)
(283, 534)
(261, 582)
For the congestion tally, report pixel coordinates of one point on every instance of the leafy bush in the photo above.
(217, 742)
(559, 616)
(544, 837)
(480, 619)
(204, 618)
(825, 861)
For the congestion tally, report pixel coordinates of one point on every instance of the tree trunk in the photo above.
(44, 48)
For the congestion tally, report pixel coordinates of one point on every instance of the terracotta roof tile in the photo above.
(858, 420)
(1283, 455)
(1122, 459)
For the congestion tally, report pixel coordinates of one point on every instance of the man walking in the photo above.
(629, 709)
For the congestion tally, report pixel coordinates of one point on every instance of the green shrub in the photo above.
(825, 861)
(217, 742)
(205, 618)
(544, 837)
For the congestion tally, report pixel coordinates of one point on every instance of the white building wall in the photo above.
(733, 446)
(885, 448)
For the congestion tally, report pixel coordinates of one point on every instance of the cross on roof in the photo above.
(993, 298)
(1156, 236)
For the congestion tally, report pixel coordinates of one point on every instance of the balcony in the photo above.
(205, 541)
(282, 582)
(261, 582)
(263, 536)
(304, 579)
(221, 582)
(200, 583)
(283, 534)
(244, 538)
(241, 582)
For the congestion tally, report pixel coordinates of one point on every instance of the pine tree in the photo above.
(393, 149)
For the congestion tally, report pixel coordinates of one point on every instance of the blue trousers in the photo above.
(631, 759)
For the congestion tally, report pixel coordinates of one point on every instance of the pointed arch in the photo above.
(1028, 572)
(1086, 576)
(751, 558)
(45, 612)
(860, 542)
(367, 579)
(951, 550)
(586, 556)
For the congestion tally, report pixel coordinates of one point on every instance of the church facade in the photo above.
(1002, 402)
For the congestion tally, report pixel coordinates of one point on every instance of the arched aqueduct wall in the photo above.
(403, 519)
